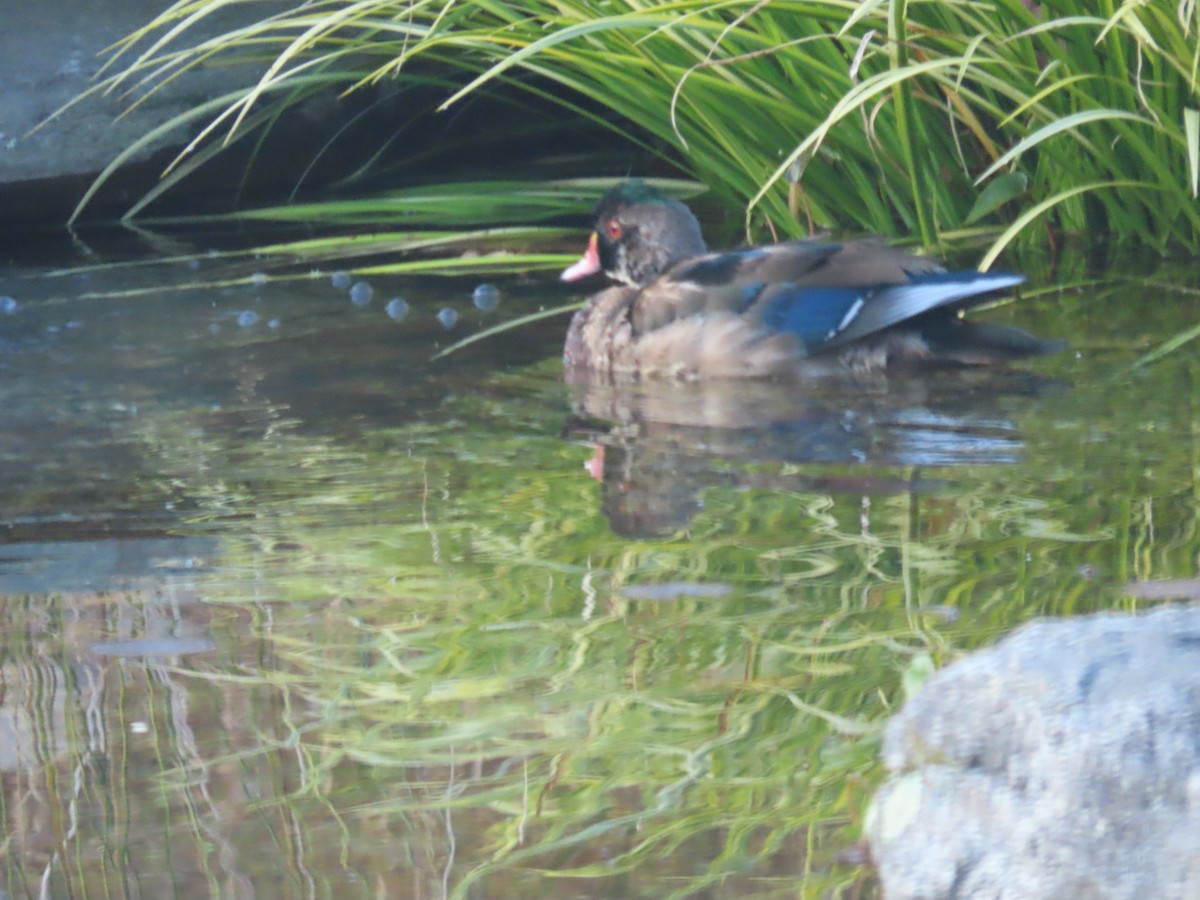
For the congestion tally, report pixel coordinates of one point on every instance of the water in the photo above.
(297, 611)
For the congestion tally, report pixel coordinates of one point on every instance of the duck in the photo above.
(798, 308)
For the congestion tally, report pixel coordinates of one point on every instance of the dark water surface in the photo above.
(294, 611)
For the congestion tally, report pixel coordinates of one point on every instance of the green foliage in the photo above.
(890, 117)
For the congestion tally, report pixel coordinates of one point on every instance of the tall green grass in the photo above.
(939, 120)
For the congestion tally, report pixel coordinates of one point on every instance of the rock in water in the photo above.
(1062, 762)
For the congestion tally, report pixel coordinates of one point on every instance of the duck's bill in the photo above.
(589, 263)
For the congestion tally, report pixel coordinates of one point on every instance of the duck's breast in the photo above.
(600, 336)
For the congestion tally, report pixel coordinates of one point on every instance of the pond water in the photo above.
(294, 610)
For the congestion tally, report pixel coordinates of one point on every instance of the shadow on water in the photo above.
(294, 611)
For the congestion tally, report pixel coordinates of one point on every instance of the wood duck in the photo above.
(800, 308)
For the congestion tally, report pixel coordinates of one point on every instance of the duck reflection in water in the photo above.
(659, 447)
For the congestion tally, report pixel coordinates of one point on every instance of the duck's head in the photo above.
(637, 235)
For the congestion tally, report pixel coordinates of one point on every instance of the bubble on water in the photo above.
(340, 280)
(361, 293)
(214, 327)
(193, 264)
(258, 279)
(486, 297)
(247, 318)
(448, 317)
(397, 308)
(273, 324)
(8, 305)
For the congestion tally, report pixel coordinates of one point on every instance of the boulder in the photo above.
(1064, 762)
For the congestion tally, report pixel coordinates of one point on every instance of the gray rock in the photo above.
(1062, 763)
(50, 55)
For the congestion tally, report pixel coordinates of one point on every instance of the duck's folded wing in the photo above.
(827, 317)
(827, 294)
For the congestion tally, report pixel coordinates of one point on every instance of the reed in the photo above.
(935, 120)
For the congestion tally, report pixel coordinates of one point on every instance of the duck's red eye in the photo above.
(614, 229)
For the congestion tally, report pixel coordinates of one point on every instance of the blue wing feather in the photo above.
(813, 314)
(824, 317)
